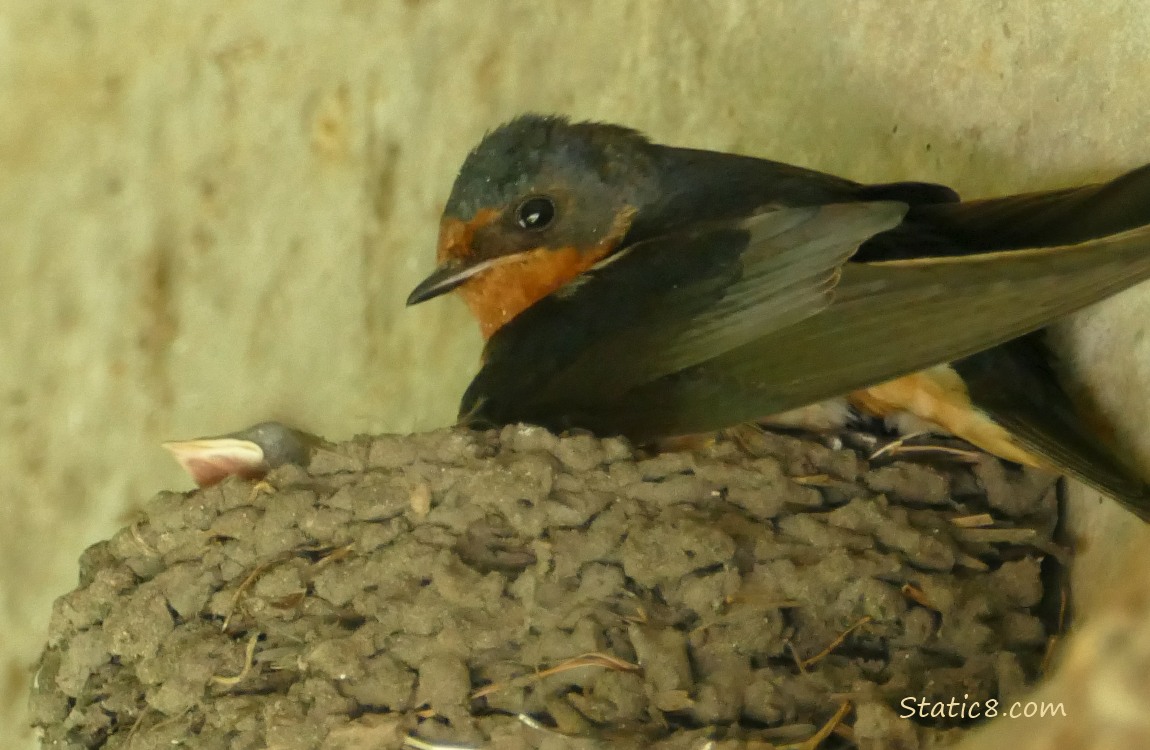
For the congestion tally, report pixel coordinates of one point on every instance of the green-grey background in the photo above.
(211, 211)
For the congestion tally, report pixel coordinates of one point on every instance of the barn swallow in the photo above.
(627, 287)
(249, 454)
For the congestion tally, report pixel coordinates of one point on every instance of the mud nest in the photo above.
(516, 589)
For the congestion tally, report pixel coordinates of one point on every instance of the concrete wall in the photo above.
(211, 211)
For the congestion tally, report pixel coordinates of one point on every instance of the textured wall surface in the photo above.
(211, 212)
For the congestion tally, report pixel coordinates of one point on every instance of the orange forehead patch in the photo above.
(455, 236)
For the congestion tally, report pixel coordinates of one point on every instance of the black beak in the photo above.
(453, 273)
(442, 280)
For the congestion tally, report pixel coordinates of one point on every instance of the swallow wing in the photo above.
(1042, 219)
(880, 320)
(694, 296)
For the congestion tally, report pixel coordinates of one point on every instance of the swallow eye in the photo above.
(535, 213)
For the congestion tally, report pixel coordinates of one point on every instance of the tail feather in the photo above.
(1044, 219)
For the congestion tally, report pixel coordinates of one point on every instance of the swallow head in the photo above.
(539, 201)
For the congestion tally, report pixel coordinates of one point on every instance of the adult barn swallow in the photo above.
(632, 288)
